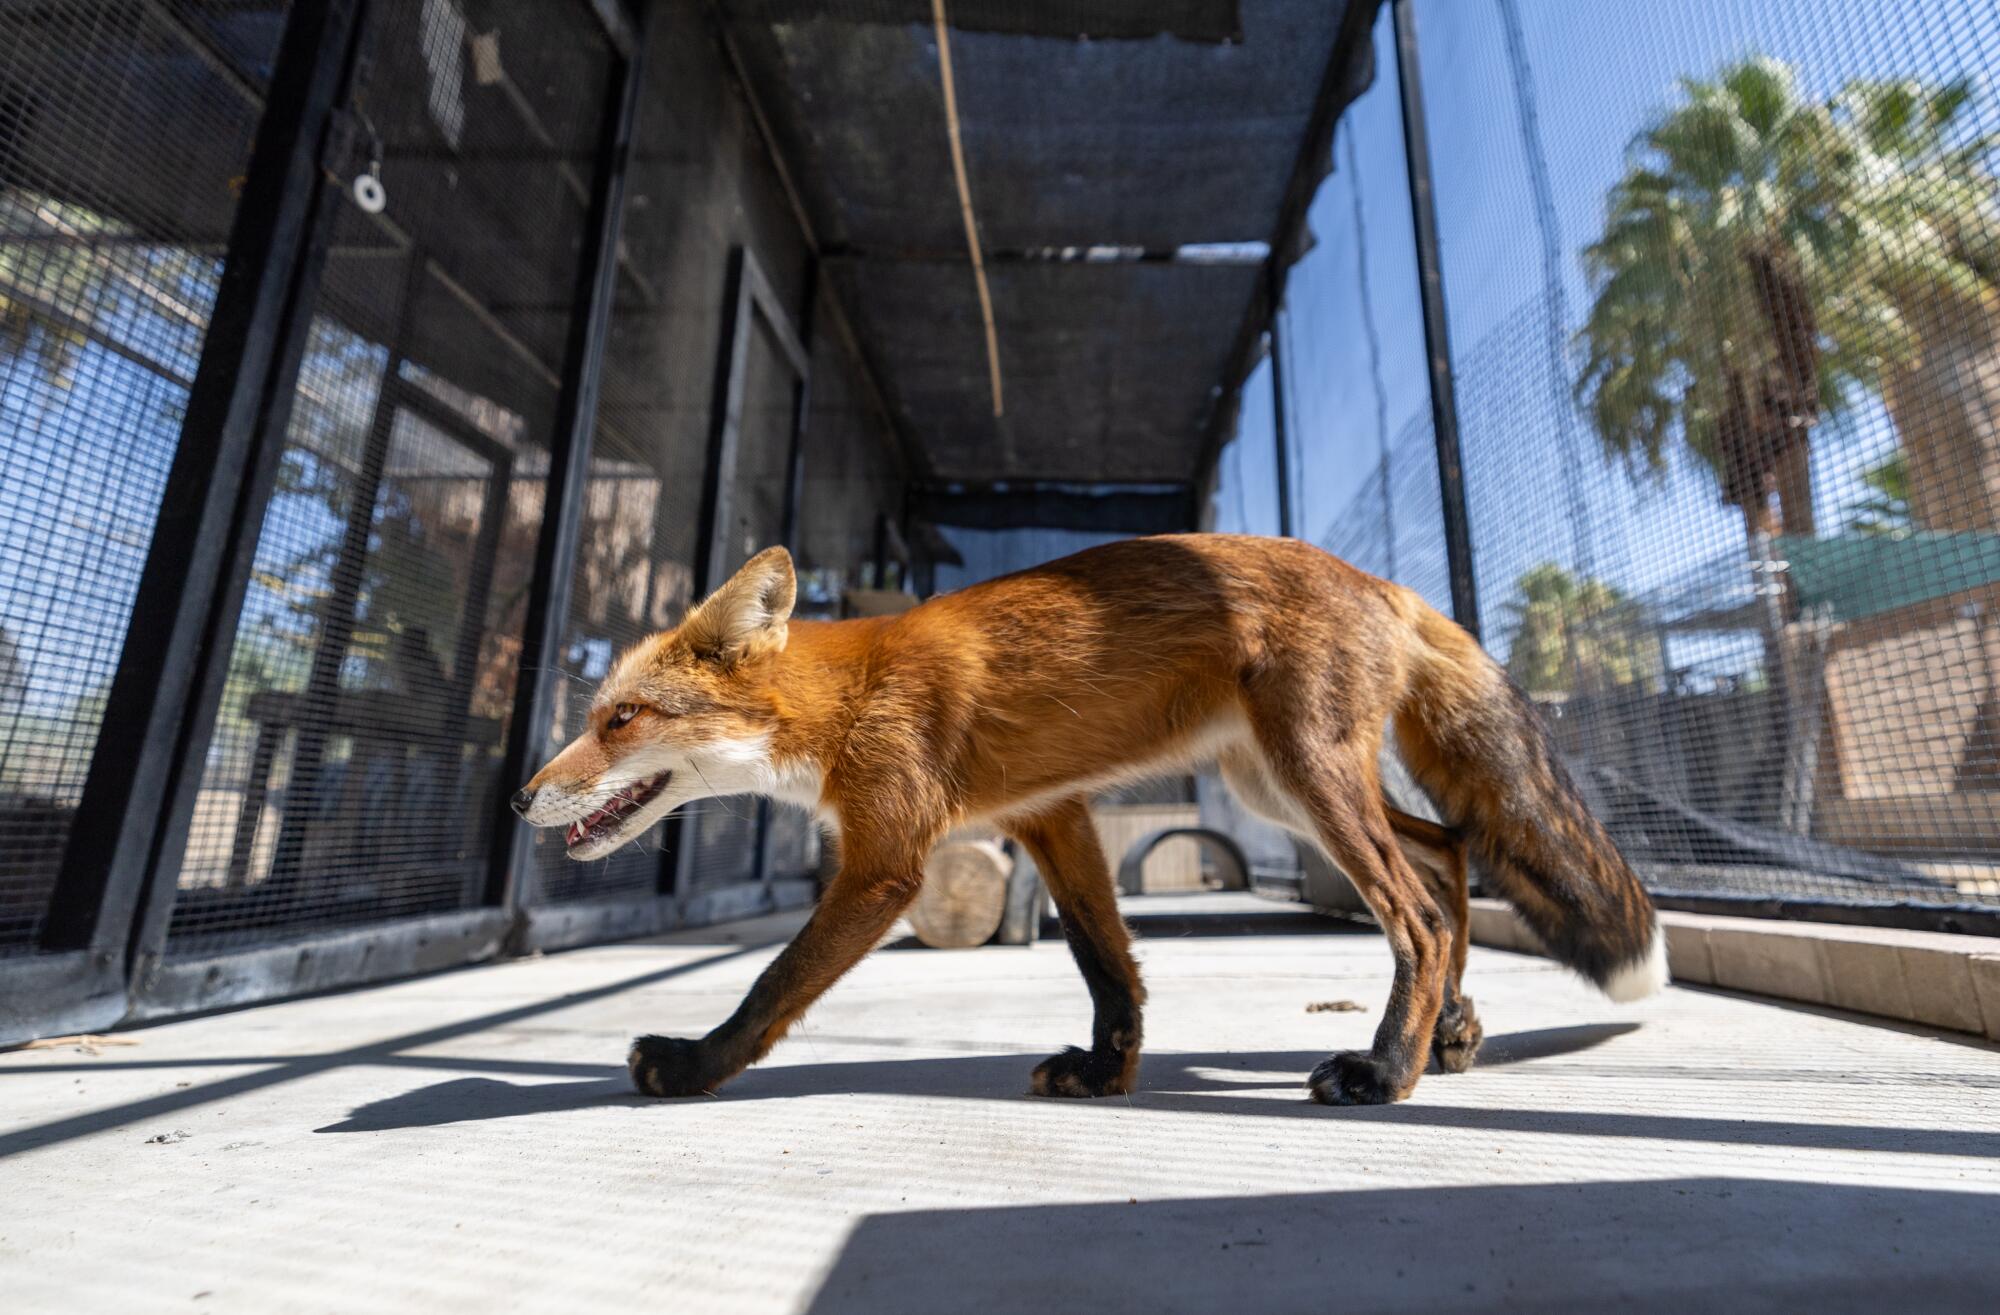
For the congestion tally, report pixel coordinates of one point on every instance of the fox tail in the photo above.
(1479, 749)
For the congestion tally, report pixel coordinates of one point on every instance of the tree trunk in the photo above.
(1769, 607)
(1795, 495)
(1946, 406)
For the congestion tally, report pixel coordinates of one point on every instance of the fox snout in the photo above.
(598, 819)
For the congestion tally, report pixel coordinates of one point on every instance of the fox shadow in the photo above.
(1164, 1078)
(1266, 1084)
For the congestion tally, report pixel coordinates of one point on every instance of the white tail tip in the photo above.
(1644, 975)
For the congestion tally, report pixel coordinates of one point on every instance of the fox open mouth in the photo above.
(605, 822)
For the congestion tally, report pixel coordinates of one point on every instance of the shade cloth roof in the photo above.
(1133, 163)
(1130, 164)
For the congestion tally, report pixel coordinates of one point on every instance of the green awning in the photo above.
(1859, 575)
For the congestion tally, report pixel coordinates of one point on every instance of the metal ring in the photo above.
(368, 194)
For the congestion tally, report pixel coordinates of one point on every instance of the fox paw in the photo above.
(1078, 1072)
(667, 1066)
(1455, 1043)
(1352, 1077)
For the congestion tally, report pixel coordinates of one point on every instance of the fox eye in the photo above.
(621, 714)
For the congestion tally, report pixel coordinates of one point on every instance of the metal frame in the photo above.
(395, 396)
(748, 299)
(220, 478)
(337, 610)
(795, 461)
(795, 483)
(1280, 420)
(102, 949)
(1130, 509)
(569, 470)
(1437, 332)
(911, 459)
(344, 956)
(1349, 66)
(1964, 919)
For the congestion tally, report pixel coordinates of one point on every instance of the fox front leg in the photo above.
(853, 916)
(1064, 843)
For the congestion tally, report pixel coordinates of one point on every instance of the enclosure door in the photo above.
(350, 775)
(740, 838)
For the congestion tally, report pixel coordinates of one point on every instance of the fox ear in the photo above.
(748, 613)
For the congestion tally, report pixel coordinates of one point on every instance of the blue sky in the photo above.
(1602, 71)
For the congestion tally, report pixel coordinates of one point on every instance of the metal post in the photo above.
(569, 469)
(1437, 339)
(712, 522)
(795, 479)
(795, 460)
(1280, 434)
(213, 502)
(320, 699)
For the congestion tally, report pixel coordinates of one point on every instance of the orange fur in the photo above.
(1013, 700)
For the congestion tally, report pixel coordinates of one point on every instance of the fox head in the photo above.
(683, 715)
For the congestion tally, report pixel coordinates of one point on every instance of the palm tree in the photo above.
(1572, 634)
(1935, 219)
(1885, 511)
(1764, 256)
(1763, 259)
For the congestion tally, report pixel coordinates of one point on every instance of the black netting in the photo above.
(1724, 293)
(123, 130)
(353, 769)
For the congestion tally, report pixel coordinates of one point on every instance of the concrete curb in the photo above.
(1936, 978)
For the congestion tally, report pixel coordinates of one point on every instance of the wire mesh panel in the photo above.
(123, 130)
(1747, 372)
(1724, 303)
(353, 768)
(698, 185)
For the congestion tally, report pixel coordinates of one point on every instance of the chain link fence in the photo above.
(1723, 284)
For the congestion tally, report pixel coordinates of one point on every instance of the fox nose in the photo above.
(523, 800)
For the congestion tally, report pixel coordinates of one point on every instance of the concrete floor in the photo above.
(466, 1141)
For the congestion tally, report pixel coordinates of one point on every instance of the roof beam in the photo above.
(1118, 509)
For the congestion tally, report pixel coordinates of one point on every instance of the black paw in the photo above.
(1352, 1077)
(1456, 1042)
(1085, 1073)
(667, 1066)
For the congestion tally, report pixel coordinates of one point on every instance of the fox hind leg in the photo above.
(1438, 855)
(1063, 841)
(1434, 852)
(1331, 773)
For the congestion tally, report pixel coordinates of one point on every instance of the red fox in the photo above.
(1013, 701)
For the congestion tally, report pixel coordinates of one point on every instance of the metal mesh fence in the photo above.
(352, 772)
(122, 128)
(1724, 293)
